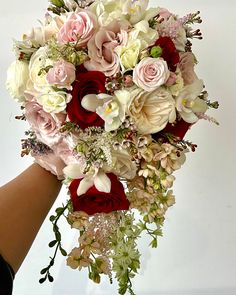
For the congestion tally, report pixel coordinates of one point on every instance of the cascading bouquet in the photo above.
(109, 90)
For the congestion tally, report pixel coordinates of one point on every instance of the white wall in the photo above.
(197, 253)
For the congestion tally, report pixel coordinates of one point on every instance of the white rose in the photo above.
(129, 54)
(54, 102)
(17, 77)
(152, 111)
(38, 62)
(123, 165)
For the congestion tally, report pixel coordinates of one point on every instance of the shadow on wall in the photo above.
(224, 291)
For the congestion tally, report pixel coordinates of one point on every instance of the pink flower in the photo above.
(101, 49)
(186, 65)
(51, 163)
(151, 73)
(78, 28)
(62, 74)
(45, 125)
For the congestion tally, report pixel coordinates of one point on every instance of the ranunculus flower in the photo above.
(169, 52)
(17, 77)
(45, 125)
(152, 111)
(78, 28)
(94, 201)
(86, 83)
(62, 74)
(151, 73)
(54, 101)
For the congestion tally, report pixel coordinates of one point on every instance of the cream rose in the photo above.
(38, 62)
(54, 102)
(150, 73)
(129, 54)
(123, 165)
(152, 111)
(17, 77)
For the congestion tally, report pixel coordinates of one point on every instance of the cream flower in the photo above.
(17, 77)
(188, 102)
(38, 62)
(122, 165)
(54, 102)
(152, 111)
(110, 108)
(97, 178)
(129, 54)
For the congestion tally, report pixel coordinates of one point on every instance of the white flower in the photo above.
(188, 102)
(129, 54)
(122, 164)
(54, 102)
(135, 9)
(110, 108)
(38, 62)
(152, 111)
(97, 178)
(17, 77)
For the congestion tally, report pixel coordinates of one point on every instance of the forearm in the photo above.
(24, 204)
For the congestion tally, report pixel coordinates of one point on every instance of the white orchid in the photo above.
(110, 108)
(97, 178)
(188, 102)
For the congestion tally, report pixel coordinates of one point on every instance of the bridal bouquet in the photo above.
(109, 90)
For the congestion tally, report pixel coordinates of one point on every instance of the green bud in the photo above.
(58, 3)
(156, 51)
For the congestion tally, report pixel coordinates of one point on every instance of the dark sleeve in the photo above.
(6, 277)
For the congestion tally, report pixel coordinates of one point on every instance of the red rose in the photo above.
(94, 201)
(92, 82)
(169, 52)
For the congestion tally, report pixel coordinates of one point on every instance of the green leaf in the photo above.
(52, 218)
(41, 281)
(58, 235)
(52, 243)
(153, 244)
(50, 278)
(63, 252)
(59, 210)
(58, 3)
(43, 271)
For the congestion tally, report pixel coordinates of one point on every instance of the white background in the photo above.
(197, 253)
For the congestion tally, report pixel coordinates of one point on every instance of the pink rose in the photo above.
(62, 74)
(151, 73)
(45, 125)
(101, 49)
(186, 65)
(78, 28)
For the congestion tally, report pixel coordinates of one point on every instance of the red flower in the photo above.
(92, 82)
(179, 129)
(94, 201)
(169, 52)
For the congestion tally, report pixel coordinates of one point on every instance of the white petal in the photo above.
(73, 171)
(102, 182)
(90, 102)
(85, 185)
